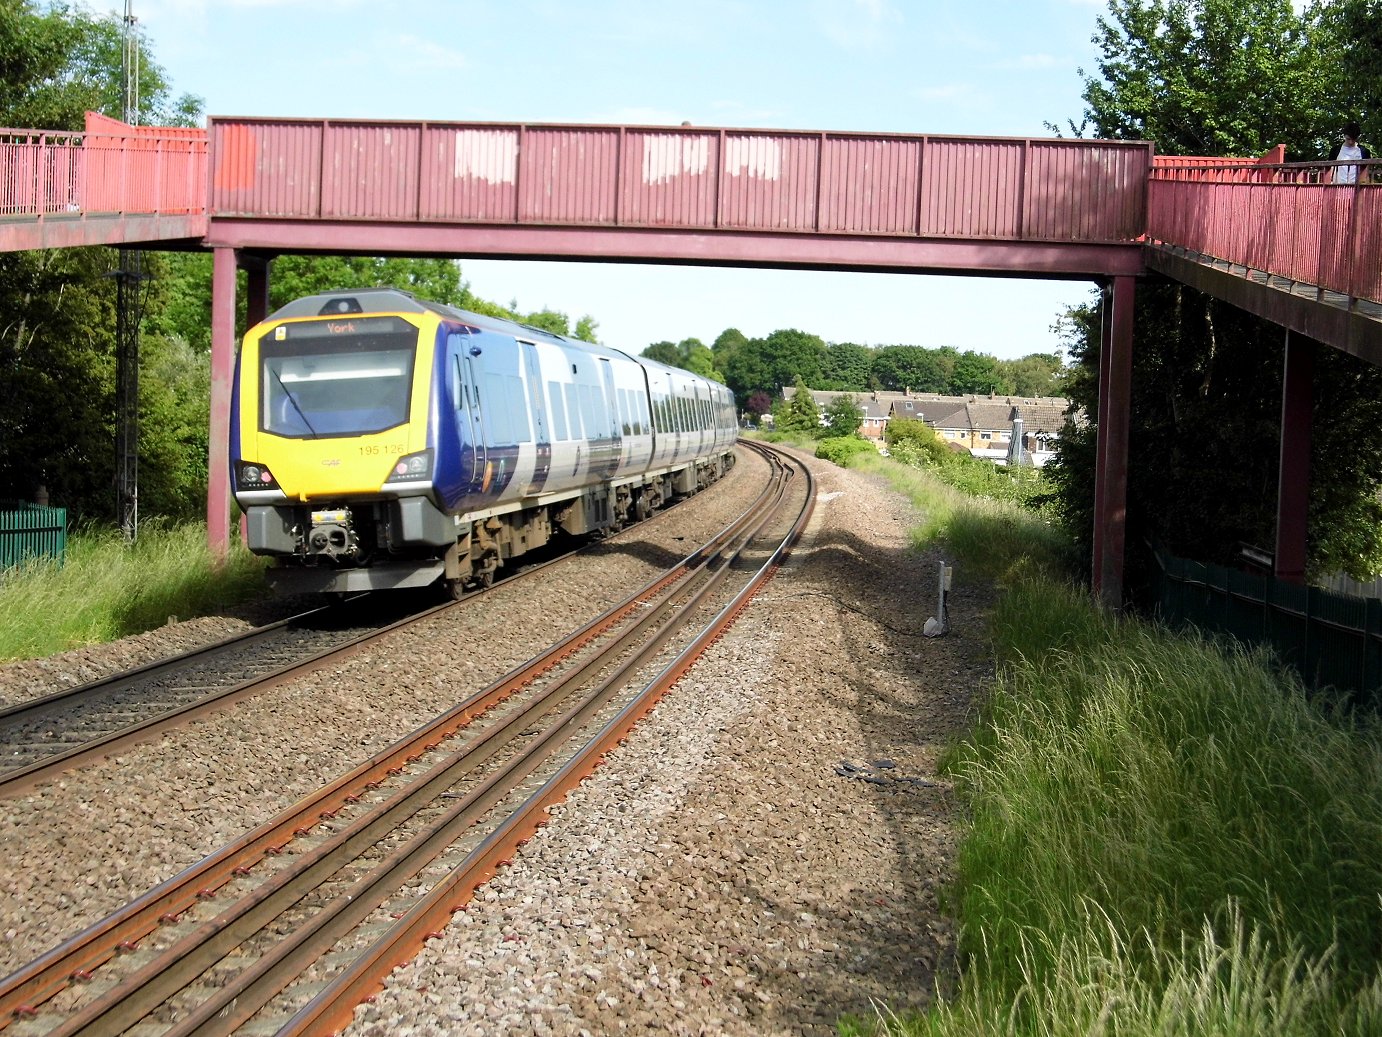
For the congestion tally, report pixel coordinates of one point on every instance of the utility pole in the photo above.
(128, 313)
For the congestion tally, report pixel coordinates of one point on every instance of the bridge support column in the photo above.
(1111, 465)
(1293, 480)
(222, 370)
(257, 288)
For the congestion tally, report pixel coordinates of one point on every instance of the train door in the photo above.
(475, 441)
(615, 440)
(542, 428)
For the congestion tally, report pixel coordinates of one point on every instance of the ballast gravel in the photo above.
(764, 854)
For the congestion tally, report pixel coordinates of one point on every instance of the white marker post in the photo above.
(940, 623)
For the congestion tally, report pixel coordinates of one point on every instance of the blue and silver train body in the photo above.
(382, 441)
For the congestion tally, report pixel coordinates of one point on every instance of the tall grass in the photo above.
(1164, 836)
(106, 589)
(995, 538)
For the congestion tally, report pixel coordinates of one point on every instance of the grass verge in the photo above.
(105, 589)
(1164, 836)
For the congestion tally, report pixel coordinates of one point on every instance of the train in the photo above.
(380, 441)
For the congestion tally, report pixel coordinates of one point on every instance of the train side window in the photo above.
(624, 420)
(588, 416)
(496, 413)
(573, 408)
(520, 427)
(647, 427)
(558, 408)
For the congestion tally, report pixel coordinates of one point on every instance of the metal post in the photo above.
(1293, 478)
(1115, 403)
(222, 370)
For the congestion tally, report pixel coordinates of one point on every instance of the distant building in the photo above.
(983, 425)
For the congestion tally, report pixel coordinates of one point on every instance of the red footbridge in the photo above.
(1278, 240)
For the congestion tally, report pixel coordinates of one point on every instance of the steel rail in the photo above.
(21, 780)
(331, 1010)
(161, 978)
(78, 957)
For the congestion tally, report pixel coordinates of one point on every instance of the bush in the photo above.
(839, 449)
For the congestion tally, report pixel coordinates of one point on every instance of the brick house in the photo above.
(983, 425)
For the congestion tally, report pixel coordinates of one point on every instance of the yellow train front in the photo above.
(381, 441)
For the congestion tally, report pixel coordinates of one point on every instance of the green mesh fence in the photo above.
(31, 530)
(1332, 640)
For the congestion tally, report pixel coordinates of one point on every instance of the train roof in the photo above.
(343, 301)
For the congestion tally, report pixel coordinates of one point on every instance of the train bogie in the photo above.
(379, 441)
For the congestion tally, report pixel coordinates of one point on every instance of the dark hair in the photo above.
(1351, 130)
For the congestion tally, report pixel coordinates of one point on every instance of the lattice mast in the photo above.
(128, 313)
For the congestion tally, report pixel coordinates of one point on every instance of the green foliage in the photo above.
(1213, 77)
(690, 354)
(910, 434)
(106, 588)
(1225, 78)
(57, 378)
(61, 61)
(799, 414)
(586, 328)
(1169, 825)
(1038, 374)
(174, 422)
(843, 416)
(663, 353)
(847, 366)
(977, 373)
(898, 368)
(839, 449)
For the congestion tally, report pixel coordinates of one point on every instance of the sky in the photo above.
(1005, 68)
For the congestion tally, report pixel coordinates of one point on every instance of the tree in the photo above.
(663, 353)
(798, 414)
(843, 416)
(1221, 77)
(978, 373)
(726, 344)
(57, 308)
(586, 328)
(700, 360)
(1037, 374)
(899, 368)
(60, 62)
(758, 404)
(1208, 77)
(847, 366)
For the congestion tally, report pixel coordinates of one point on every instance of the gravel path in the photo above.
(765, 853)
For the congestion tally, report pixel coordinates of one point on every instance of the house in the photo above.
(983, 425)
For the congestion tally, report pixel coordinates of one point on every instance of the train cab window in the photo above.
(558, 409)
(336, 377)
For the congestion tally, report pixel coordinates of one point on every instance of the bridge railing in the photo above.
(1286, 219)
(680, 178)
(139, 170)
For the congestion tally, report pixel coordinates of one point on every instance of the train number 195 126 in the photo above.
(387, 449)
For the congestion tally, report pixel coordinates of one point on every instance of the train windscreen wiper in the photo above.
(293, 400)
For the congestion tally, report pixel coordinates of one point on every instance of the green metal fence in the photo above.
(31, 530)
(1330, 639)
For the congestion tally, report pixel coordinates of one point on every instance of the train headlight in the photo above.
(251, 476)
(412, 468)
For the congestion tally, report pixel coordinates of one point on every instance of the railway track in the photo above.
(287, 929)
(43, 736)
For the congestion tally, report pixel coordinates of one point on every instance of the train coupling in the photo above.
(331, 534)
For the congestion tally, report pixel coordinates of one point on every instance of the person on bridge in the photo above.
(1349, 149)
